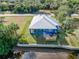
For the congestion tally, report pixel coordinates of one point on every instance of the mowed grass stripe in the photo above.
(25, 31)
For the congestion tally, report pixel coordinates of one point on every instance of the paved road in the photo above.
(38, 55)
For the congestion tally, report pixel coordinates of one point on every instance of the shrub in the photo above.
(21, 9)
(8, 38)
(4, 6)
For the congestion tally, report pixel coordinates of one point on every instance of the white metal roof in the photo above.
(43, 22)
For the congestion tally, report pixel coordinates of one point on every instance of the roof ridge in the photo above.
(38, 20)
(54, 22)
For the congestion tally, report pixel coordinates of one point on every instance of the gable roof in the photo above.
(43, 22)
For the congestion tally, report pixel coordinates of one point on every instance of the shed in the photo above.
(44, 25)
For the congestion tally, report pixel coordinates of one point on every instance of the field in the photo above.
(24, 22)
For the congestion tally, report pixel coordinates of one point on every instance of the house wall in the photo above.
(36, 31)
(44, 31)
(47, 34)
(41, 35)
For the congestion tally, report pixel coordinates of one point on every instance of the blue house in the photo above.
(44, 25)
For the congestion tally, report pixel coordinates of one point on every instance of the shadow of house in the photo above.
(38, 35)
(43, 28)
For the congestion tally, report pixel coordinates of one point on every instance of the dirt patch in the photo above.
(18, 20)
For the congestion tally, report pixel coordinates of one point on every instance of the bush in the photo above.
(8, 38)
(21, 9)
(32, 9)
(44, 6)
(4, 6)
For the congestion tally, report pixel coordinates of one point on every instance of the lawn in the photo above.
(27, 38)
(23, 23)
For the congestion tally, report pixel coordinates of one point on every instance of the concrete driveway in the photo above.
(38, 55)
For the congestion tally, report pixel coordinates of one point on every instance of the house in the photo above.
(45, 26)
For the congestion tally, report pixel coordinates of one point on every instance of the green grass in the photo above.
(27, 38)
(73, 40)
(23, 23)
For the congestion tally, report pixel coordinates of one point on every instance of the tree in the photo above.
(8, 39)
(76, 8)
(67, 27)
(63, 15)
(4, 6)
(25, 7)
(74, 4)
(74, 1)
(62, 12)
(42, 1)
(20, 8)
